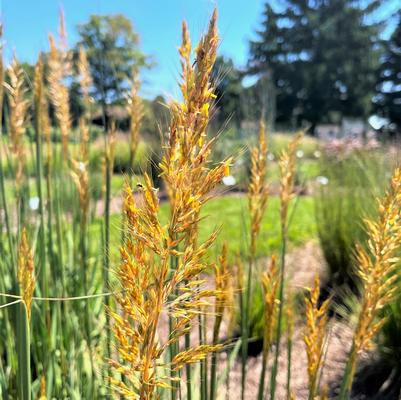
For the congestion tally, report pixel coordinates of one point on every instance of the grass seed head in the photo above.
(270, 284)
(85, 77)
(287, 170)
(59, 69)
(377, 264)
(315, 334)
(41, 108)
(136, 113)
(26, 272)
(258, 190)
(18, 105)
(80, 173)
(152, 285)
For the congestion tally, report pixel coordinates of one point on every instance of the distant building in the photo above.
(350, 128)
(354, 128)
(328, 131)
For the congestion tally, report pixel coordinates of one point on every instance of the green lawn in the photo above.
(230, 213)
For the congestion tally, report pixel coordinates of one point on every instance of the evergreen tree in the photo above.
(319, 57)
(388, 100)
(228, 92)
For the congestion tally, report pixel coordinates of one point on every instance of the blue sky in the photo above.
(158, 22)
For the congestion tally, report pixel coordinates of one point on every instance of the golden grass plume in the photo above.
(18, 105)
(258, 190)
(315, 334)
(26, 272)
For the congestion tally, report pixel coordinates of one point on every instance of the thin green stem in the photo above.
(203, 371)
(289, 362)
(245, 324)
(6, 214)
(213, 371)
(349, 372)
(188, 368)
(42, 233)
(106, 268)
(280, 312)
(23, 349)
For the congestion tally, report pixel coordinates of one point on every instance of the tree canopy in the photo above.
(228, 91)
(112, 48)
(319, 58)
(388, 99)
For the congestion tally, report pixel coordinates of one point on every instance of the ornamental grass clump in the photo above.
(162, 265)
(377, 268)
(185, 166)
(148, 284)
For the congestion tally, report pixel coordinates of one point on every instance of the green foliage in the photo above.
(228, 92)
(317, 58)
(230, 143)
(122, 158)
(230, 212)
(388, 99)
(112, 48)
(354, 181)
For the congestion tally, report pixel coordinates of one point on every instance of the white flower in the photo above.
(270, 157)
(322, 180)
(34, 203)
(229, 180)
(317, 154)
(300, 153)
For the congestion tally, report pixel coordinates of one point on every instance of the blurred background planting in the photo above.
(217, 222)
